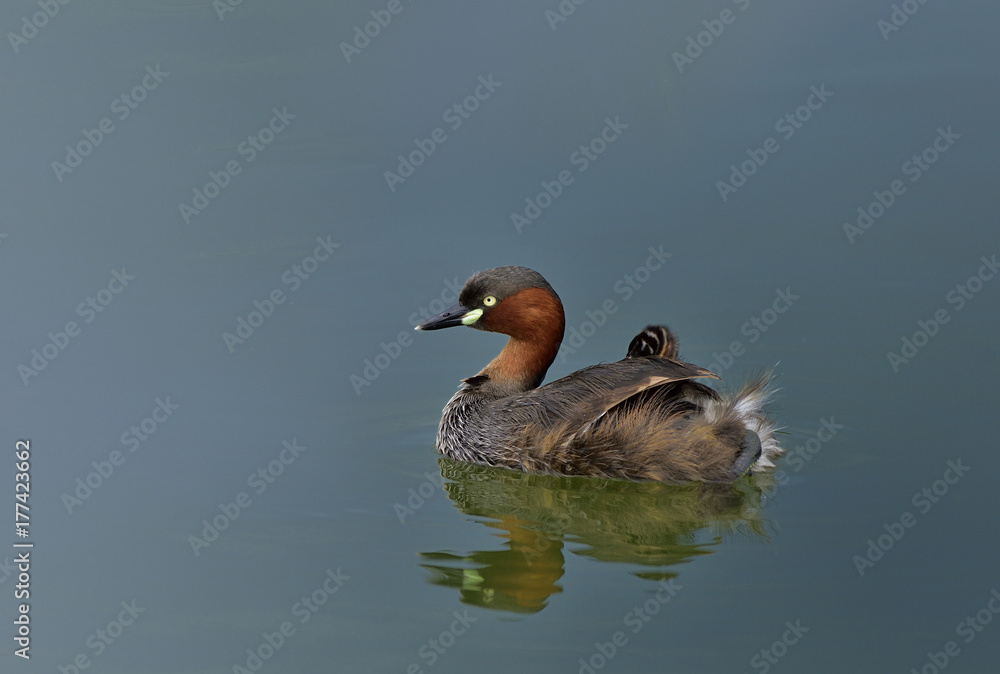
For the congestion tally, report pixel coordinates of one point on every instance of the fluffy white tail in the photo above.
(750, 406)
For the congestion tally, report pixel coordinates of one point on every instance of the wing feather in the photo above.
(583, 397)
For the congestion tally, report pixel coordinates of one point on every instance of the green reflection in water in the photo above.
(653, 525)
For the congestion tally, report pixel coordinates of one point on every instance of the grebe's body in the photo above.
(642, 418)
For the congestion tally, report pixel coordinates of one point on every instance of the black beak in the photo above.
(456, 315)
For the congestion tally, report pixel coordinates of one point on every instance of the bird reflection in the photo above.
(653, 525)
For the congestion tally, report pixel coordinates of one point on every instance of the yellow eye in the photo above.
(489, 300)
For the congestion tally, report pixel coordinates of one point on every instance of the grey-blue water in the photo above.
(221, 221)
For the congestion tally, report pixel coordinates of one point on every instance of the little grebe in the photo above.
(641, 418)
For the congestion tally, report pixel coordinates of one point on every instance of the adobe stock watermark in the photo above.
(959, 297)
(454, 116)
(292, 278)
(754, 327)
(132, 439)
(913, 168)
(581, 159)
(223, 7)
(121, 108)
(31, 24)
(88, 310)
(562, 12)
(449, 296)
(304, 609)
(436, 647)
(898, 17)
(373, 367)
(698, 43)
(626, 287)
(418, 496)
(363, 35)
(787, 125)
(249, 149)
(768, 657)
(259, 481)
(542, 543)
(636, 619)
(797, 458)
(970, 627)
(22, 591)
(98, 642)
(7, 570)
(923, 500)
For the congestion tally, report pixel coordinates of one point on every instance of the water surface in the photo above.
(236, 436)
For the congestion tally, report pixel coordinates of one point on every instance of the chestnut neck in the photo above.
(535, 321)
